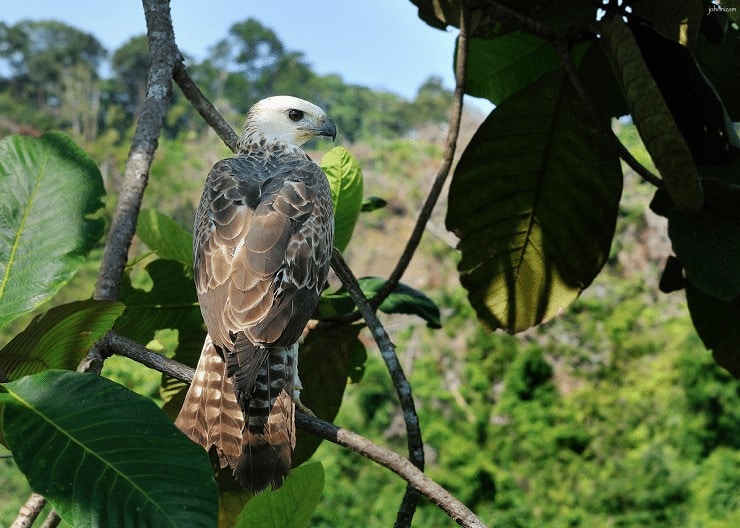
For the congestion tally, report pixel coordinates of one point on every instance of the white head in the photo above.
(286, 119)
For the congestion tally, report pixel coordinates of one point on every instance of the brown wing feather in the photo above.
(259, 228)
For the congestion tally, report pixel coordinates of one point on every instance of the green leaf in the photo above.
(403, 299)
(165, 236)
(716, 321)
(59, 338)
(104, 456)
(654, 121)
(171, 303)
(328, 357)
(49, 188)
(373, 203)
(597, 78)
(345, 180)
(500, 67)
(708, 243)
(718, 60)
(291, 506)
(534, 201)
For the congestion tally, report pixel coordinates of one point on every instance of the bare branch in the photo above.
(401, 384)
(313, 425)
(52, 520)
(29, 512)
(204, 106)
(444, 171)
(163, 55)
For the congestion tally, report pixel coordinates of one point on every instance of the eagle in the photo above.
(262, 244)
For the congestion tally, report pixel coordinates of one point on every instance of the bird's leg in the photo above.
(298, 386)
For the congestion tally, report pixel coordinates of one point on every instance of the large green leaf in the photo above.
(653, 119)
(403, 299)
(171, 303)
(708, 243)
(678, 20)
(105, 456)
(504, 65)
(291, 506)
(327, 359)
(165, 236)
(49, 188)
(534, 201)
(59, 338)
(716, 322)
(346, 182)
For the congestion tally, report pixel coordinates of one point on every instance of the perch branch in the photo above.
(163, 55)
(52, 520)
(414, 476)
(403, 388)
(204, 106)
(29, 512)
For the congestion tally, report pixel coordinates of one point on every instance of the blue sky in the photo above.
(374, 43)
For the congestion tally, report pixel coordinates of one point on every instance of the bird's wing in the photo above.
(263, 237)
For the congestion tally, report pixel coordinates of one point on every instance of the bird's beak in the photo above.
(328, 128)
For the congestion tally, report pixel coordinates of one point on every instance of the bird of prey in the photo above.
(262, 244)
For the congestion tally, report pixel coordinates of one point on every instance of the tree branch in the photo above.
(163, 55)
(204, 106)
(403, 388)
(117, 344)
(29, 512)
(453, 133)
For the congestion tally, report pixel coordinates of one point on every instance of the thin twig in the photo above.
(453, 133)
(204, 106)
(401, 384)
(163, 54)
(29, 512)
(313, 425)
(52, 520)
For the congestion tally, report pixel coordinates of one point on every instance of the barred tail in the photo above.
(269, 436)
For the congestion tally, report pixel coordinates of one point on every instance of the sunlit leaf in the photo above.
(59, 338)
(534, 200)
(105, 456)
(291, 506)
(346, 182)
(165, 236)
(49, 188)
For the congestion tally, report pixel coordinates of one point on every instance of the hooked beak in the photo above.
(328, 129)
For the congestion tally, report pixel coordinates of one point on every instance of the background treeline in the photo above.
(55, 76)
(612, 415)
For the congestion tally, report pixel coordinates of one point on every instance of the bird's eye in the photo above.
(295, 115)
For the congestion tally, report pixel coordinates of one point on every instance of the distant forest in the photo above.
(50, 77)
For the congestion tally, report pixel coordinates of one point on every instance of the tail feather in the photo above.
(253, 428)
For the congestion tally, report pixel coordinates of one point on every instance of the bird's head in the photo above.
(286, 119)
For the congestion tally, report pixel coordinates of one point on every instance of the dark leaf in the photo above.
(708, 243)
(105, 456)
(678, 20)
(719, 61)
(672, 278)
(598, 79)
(49, 190)
(664, 142)
(716, 322)
(403, 299)
(327, 359)
(699, 113)
(534, 200)
(373, 203)
(59, 338)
